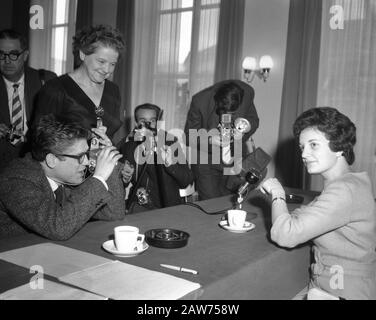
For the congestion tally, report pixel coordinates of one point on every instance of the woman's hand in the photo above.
(273, 187)
(100, 132)
(107, 159)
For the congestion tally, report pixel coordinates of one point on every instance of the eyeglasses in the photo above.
(13, 55)
(80, 157)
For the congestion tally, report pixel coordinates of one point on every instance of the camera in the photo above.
(143, 196)
(229, 127)
(226, 125)
(93, 153)
(95, 146)
(13, 134)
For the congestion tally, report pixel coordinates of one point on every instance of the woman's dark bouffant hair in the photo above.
(88, 39)
(338, 129)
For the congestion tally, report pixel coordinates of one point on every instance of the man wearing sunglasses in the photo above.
(48, 192)
(19, 85)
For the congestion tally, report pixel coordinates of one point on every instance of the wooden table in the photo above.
(231, 266)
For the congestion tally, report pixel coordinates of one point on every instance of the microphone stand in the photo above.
(252, 178)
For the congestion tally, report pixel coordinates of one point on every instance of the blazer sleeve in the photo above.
(34, 206)
(179, 170)
(114, 208)
(195, 120)
(181, 174)
(329, 211)
(249, 110)
(194, 117)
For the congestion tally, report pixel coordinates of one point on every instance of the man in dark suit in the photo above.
(229, 97)
(46, 192)
(19, 85)
(154, 163)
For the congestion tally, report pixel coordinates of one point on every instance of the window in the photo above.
(51, 47)
(175, 53)
(186, 53)
(63, 25)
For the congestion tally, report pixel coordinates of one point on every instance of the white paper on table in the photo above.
(51, 291)
(118, 280)
(318, 294)
(55, 260)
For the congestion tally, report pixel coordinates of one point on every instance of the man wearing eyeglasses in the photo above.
(48, 192)
(19, 85)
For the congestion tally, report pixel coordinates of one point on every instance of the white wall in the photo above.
(265, 32)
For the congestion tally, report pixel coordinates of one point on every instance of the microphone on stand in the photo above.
(252, 177)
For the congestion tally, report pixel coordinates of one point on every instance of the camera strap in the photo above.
(132, 196)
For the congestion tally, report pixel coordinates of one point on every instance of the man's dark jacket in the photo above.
(34, 79)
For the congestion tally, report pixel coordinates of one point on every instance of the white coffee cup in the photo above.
(236, 218)
(127, 238)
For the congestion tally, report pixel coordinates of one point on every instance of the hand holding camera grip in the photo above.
(106, 161)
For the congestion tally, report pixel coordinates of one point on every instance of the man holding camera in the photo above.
(19, 85)
(217, 110)
(154, 163)
(47, 192)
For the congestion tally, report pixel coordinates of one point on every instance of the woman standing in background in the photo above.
(86, 92)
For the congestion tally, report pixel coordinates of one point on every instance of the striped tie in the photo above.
(17, 112)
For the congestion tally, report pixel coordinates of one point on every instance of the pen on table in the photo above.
(168, 266)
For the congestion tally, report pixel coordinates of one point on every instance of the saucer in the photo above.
(110, 247)
(248, 226)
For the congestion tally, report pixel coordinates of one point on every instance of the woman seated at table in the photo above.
(341, 221)
(97, 49)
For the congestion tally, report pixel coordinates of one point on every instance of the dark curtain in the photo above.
(230, 40)
(123, 71)
(84, 13)
(300, 86)
(21, 17)
(84, 17)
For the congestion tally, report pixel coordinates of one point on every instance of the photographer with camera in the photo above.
(19, 85)
(154, 163)
(225, 111)
(47, 192)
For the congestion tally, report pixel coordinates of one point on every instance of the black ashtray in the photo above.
(166, 238)
(293, 198)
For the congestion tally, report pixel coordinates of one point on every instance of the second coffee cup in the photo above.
(236, 218)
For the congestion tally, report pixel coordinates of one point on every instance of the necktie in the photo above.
(17, 112)
(59, 194)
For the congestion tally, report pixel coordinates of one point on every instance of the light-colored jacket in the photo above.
(342, 224)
